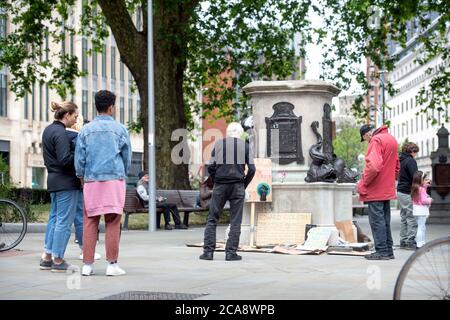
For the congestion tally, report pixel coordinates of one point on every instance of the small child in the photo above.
(421, 204)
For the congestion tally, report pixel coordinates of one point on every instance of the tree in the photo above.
(367, 28)
(211, 44)
(348, 146)
(195, 42)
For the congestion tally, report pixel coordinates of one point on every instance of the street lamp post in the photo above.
(151, 122)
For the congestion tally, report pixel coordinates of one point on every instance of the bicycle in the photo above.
(426, 274)
(13, 224)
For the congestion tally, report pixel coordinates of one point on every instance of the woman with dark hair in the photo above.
(408, 167)
(62, 183)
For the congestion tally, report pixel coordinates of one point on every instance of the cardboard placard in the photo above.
(317, 239)
(281, 228)
(346, 230)
(261, 181)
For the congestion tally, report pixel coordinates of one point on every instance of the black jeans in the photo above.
(235, 193)
(380, 223)
(167, 209)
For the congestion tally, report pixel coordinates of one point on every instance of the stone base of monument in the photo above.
(439, 214)
(327, 203)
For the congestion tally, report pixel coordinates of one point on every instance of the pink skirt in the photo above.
(104, 197)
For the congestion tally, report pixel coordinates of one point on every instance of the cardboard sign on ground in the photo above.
(346, 228)
(317, 239)
(281, 228)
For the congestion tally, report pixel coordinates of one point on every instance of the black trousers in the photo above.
(235, 193)
(167, 209)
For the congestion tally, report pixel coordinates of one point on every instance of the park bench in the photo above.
(184, 199)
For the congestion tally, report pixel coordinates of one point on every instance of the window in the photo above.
(406, 105)
(417, 124)
(122, 109)
(41, 107)
(84, 58)
(432, 145)
(122, 71)
(84, 103)
(130, 109)
(2, 27)
(428, 147)
(47, 103)
(38, 178)
(402, 108)
(104, 61)
(32, 103)
(25, 106)
(398, 109)
(113, 62)
(3, 96)
(94, 64)
(94, 109)
(412, 106)
(138, 19)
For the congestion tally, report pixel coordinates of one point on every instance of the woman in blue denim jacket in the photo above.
(102, 161)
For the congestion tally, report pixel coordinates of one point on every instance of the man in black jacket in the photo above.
(227, 169)
(408, 166)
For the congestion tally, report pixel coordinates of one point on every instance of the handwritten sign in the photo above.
(281, 228)
(260, 189)
(317, 239)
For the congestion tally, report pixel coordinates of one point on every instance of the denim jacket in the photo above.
(103, 150)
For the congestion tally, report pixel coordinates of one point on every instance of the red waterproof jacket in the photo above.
(382, 168)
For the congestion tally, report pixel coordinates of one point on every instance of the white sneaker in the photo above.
(114, 270)
(97, 256)
(88, 270)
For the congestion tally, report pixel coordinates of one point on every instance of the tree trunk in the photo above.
(168, 73)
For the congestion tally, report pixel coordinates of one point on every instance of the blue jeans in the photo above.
(62, 214)
(380, 223)
(78, 222)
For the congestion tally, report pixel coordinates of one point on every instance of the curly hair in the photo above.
(410, 147)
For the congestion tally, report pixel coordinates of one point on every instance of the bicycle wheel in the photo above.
(426, 274)
(13, 224)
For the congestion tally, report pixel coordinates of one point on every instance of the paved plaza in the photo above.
(161, 262)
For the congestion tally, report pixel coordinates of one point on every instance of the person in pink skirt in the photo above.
(102, 160)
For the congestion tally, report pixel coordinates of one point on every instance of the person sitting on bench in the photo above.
(142, 191)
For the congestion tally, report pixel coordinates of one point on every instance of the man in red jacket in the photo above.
(377, 187)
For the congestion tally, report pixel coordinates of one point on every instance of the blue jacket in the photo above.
(103, 150)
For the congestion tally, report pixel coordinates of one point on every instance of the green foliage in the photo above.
(348, 146)
(360, 29)
(5, 183)
(220, 46)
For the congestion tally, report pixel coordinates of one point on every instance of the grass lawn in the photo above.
(137, 221)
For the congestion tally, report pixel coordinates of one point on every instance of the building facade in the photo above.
(23, 120)
(407, 122)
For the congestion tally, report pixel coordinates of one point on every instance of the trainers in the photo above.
(207, 256)
(180, 226)
(231, 256)
(87, 270)
(377, 256)
(97, 256)
(168, 227)
(45, 264)
(114, 270)
(62, 267)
